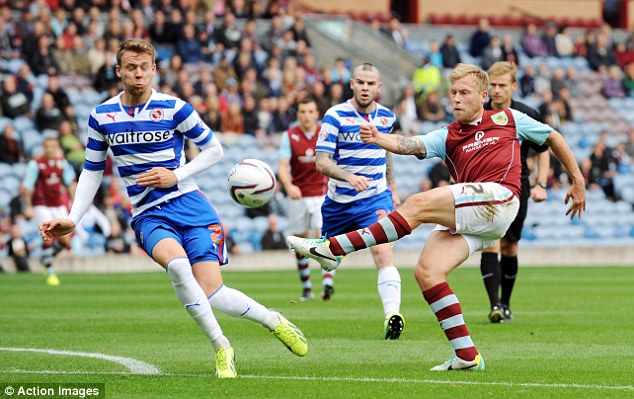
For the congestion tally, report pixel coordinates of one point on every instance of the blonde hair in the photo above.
(480, 77)
(502, 68)
(138, 46)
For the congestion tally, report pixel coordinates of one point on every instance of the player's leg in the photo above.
(442, 253)
(389, 288)
(167, 251)
(205, 247)
(509, 266)
(314, 205)
(47, 257)
(434, 206)
(298, 217)
(490, 269)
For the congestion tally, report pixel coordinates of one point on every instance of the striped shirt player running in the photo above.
(358, 193)
(173, 221)
(482, 150)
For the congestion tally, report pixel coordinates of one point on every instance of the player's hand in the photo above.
(359, 183)
(55, 228)
(395, 198)
(28, 212)
(294, 192)
(157, 178)
(368, 133)
(578, 194)
(539, 194)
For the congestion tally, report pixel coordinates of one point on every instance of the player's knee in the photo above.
(414, 206)
(425, 276)
(509, 248)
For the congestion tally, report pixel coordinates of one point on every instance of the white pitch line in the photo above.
(135, 366)
(344, 379)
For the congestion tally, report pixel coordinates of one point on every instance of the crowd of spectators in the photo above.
(244, 65)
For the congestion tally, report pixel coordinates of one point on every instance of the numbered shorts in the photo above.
(341, 218)
(484, 212)
(190, 220)
(304, 214)
(43, 213)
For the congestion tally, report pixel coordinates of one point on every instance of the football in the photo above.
(251, 183)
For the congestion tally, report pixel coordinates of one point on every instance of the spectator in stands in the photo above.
(509, 53)
(62, 101)
(531, 42)
(97, 55)
(162, 32)
(628, 81)
(188, 46)
(439, 175)
(232, 119)
(582, 43)
(629, 144)
(527, 81)
(542, 79)
(427, 78)
(480, 39)
(431, 108)
(106, 76)
(563, 42)
(449, 51)
(12, 102)
(604, 167)
(340, 72)
(557, 81)
(571, 82)
(229, 34)
(624, 56)
(250, 116)
(43, 61)
(613, 86)
(395, 32)
(299, 29)
(24, 81)
(8, 36)
(563, 101)
(434, 54)
(318, 92)
(549, 40)
(273, 238)
(223, 72)
(11, 149)
(601, 56)
(48, 115)
(74, 150)
(492, 53)
(549, 110)
(18, 249)
(79, 57)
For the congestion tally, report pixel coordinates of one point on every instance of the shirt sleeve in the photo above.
(30, 177)
(435, 143)
(530, 129)
(69, 174)
(329, 133)
(285, 147)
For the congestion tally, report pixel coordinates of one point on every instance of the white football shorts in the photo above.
(43, 213)
(484, 212)
(304, 214)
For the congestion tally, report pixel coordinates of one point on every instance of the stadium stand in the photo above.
(609, 220)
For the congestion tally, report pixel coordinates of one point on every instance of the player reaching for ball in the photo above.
(173, 222)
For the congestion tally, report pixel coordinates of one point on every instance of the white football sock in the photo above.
(235, 303)
(193, 298)
(389, 285)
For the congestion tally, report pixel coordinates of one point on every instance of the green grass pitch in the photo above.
(572, 337)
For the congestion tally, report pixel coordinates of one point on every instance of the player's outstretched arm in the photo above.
(393, 142)
(577, 191)
(55, 228)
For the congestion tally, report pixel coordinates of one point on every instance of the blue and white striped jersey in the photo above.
(340, 136)
(152, 137)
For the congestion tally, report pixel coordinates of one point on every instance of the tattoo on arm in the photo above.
(327, 166)
(410, 146)
(389, 170)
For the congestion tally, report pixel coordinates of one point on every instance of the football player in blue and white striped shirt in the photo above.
(172, 219)
(358, 192)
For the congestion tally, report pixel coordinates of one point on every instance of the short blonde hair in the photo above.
(479, 76)
(137, 46)
(502, 68)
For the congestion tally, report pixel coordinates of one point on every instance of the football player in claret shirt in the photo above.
(48, 184)
(173, 221)
(482, 151)
(305, 188)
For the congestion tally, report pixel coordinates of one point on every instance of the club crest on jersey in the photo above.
(479, 134)
(383, 121)
(500, 118)
(157, 115)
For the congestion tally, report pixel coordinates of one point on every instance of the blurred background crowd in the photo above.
(244, 64)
